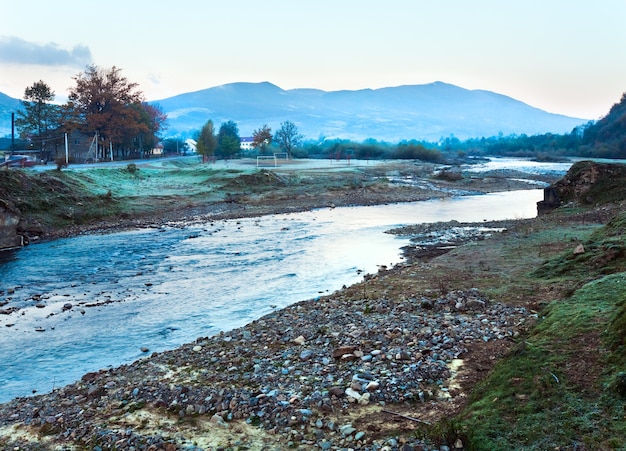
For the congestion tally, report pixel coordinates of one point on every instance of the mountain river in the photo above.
(155, 289)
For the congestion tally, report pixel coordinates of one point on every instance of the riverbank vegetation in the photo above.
(605, 138)
(559, 384)
(51, 202)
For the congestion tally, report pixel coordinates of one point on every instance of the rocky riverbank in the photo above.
(372, 366)
(329, 373)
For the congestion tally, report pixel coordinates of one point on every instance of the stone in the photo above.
(580, 249)
(347, 429)
(299, 340)
(353, 394)
(336, 391)
(218, 420)
(342, 351)
(197, 348)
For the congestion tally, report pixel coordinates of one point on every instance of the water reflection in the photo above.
(158, 289)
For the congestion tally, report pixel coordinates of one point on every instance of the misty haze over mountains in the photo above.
(422, 112)
(426, 112)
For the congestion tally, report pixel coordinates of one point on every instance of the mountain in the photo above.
(422, 112)
(606, 138)
(8, 105)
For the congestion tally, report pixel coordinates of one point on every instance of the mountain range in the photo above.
(426, 112)
(422, 112)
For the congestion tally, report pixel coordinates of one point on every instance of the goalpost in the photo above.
(271, 159)
(262, 158)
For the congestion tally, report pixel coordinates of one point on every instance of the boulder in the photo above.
(9, 220)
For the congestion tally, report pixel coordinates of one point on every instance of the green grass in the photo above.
(604, 253)
(563, 385)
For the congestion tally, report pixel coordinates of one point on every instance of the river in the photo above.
(155, 289)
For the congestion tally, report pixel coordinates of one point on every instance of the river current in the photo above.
(155, 289)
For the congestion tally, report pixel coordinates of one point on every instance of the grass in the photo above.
(564, 385)
(78, 196)
(556, 390)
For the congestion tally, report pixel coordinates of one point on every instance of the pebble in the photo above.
(261, 374)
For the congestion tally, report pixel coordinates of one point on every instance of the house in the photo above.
(247, 143)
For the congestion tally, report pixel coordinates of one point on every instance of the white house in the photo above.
(246, 143)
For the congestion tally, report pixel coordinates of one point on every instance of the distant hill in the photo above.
(422, 112)
(606, 138)
(8, 105)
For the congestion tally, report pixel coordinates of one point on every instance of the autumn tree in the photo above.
(39, 116)
(228, 141)
(153, 120)
(262, 138)
(288, 137)
(207, 141)
(105, 103)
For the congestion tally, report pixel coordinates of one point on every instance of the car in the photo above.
(19, 161)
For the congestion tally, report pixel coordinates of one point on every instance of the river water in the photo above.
(159, 288)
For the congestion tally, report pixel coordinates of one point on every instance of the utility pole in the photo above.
(12, 133)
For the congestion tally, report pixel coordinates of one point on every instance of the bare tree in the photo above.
(288, 137)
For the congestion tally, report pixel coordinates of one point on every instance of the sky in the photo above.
(563, 56)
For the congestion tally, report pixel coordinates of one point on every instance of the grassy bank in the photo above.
(564, 385)
(50, 201)
(559, 384)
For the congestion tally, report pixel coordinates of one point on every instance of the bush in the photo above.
(449, 175)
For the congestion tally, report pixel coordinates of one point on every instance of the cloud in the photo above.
(154, 79)
(18, 51)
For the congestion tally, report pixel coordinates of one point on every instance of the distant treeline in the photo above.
(605, 138)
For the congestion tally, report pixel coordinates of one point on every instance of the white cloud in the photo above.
(15, 50)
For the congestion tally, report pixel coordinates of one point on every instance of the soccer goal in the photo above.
(266, 160)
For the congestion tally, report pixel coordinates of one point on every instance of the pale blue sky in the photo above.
(564, 56)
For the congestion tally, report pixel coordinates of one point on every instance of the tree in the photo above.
(39, 116)
(152, 120)
(288, 137)
(207, 141)
(175, 146)
(107, 104)
(228, 141)
(262, 138)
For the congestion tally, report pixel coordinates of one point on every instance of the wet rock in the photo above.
(307, 354)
